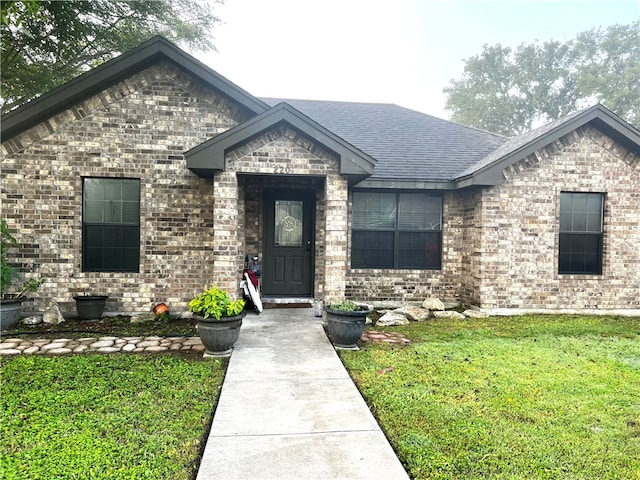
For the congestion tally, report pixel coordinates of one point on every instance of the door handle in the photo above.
(308, 248)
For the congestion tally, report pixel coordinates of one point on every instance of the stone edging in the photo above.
(62, 346)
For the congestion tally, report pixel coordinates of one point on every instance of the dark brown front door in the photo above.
(289, 240)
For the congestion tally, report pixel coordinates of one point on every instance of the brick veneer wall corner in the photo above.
(519, 247)
(139, 128)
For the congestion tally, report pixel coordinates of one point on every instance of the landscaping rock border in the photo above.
(397, 313)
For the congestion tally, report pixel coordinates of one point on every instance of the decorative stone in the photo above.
(475, 314)
(10, 351)
(30, 350)
(449, 314)
(52, 315)
(101, 344)
(59, 351)
(415, 314)
(387, 305)
(392, 319)
(32, 320)
(52, 346)
(8, 345)
(108, 350)
(433, 304)
(149, 343)
(129, 347)
(156, 349)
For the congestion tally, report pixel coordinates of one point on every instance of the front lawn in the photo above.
(105, 416)
(542, 397)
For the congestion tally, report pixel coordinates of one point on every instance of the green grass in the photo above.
(522, 397)
(105, 416)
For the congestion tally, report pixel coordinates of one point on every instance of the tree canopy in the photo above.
(45, 43)
(509, 91)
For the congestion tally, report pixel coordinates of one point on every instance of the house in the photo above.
(151, 177)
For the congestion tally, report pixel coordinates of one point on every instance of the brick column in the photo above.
(336, 238)
(225, 232)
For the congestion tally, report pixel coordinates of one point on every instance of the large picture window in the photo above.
(581, 232)
(110, 225)
(396, 230)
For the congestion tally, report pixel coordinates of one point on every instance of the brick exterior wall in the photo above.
(519, 244)
(138, 128)
(499, 244)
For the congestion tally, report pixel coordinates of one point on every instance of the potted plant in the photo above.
(90, 307)
(219, 319)
(345, 322)
(11, 303)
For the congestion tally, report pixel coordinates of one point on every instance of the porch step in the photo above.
(288, 302)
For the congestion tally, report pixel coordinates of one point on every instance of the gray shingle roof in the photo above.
(408, 145)
(489, 169)
(514, 144)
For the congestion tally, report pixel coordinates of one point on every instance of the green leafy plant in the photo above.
(348, 306)
(7, 272)
(215, 303)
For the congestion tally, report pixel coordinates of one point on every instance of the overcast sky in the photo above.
(393, 51)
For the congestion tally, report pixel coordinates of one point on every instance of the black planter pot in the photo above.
(219, 336)
(90, 307)
(345, 328)
(10, 312)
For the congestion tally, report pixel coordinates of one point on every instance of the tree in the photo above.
(510, 91)
(46, 42)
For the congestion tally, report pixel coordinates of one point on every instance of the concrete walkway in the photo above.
(288, 409)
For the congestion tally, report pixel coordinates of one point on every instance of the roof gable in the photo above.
(209, 157)
(488, 171)
(146, 54)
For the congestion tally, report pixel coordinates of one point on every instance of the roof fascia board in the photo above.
(211, 154)
(114, 70)
(601, 118)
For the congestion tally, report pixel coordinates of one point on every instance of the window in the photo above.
(396, 230)
(110, 225)
(581, 227)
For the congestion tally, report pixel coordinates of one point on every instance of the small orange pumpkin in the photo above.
(160, 308)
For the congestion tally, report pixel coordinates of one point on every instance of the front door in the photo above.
(287, 268)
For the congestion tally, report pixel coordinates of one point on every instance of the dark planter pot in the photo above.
(90, 307)
(10, 312)
(219, 336)
(345, 328)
